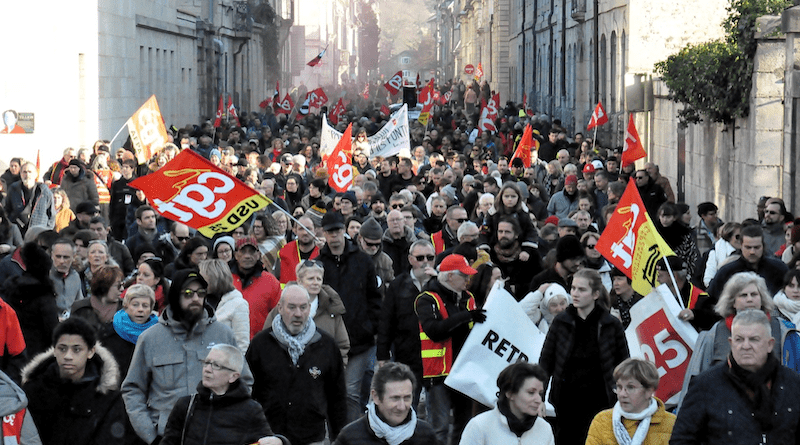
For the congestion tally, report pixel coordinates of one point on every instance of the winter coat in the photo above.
(721, 251)
(601, 432)
(527, 238)
(714, 412)
(561, 206)
(12, 401)
(34, 301)
(167, 364)
(233, 311)
(43, 212)
(328, 318)
(491, 428)
(87, 412)
(770, 268)
(352, 275)
(260, 289)
(233, 418)
(298, 399)
(398, 249)
(360, 433)
(558, 347)
(398, 330)
(121, 349)
(122, 195)
(79, 189)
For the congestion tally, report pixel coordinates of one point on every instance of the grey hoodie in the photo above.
(12, 400)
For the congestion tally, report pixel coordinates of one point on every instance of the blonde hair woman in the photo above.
(64, 214)
(232, 309)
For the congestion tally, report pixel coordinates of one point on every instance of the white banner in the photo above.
(657, 334)
(390, 140)
(507, 336)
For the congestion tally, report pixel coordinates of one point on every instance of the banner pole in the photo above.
(118, 132)
(674, 283)
(594, 138)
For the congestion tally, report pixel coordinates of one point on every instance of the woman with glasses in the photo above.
(638, 417)
(326, 305)
(99, 309)
(730, 242)
(223, 248)
(129, 322)
(583, 346)
(230, 307)
(593, 258)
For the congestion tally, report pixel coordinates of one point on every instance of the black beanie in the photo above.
(181, 279)
(568, 247)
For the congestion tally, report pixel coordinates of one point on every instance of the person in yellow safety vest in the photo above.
(447, 237)
(446, 312)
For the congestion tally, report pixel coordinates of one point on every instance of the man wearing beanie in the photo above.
(167, 363)
(369, 241)
(79, 185)
(564, 202)
(569, 258)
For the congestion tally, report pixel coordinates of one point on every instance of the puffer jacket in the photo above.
(233, 418)
(558, 346)
(89, 411)
(601, 431)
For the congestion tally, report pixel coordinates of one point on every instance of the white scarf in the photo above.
(641, 431)
(296, 344)
(789, 308)
(394, 435)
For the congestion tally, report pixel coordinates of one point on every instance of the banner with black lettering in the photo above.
(507, 336)
(190, 189)
(658, 335)
(390, 140)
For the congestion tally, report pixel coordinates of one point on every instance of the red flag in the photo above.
(419, 84)
(220, 112)
(190, 189)
(340, 169)
(365, 93)
(232, 111)
(317, 98)
(285, 106)
(385, 110)
(147, 131)
(426, 99)
(478, 72)
(315, 61)
(489, 114)
(599, 117)
(337, 111)
(633, 148)
(265, 103)
(526, 144)
(395, 83)
(445, 98)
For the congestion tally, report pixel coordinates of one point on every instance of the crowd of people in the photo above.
(336, 316)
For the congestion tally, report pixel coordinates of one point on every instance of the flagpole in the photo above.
(298, 222)
(594, 138)
(118, 132)
(674, 283)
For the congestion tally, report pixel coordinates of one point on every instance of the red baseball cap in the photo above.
(456, 262)
(588, 168)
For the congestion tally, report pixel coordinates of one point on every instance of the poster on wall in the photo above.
(15, 122)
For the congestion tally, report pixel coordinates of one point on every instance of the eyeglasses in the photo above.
(188, 293)
(216, 366)
(312, 263)
(629, 389)
(424, 257)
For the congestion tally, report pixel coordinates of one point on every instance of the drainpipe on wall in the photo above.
(220, 50)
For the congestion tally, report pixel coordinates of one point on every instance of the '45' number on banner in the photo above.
(663, 346)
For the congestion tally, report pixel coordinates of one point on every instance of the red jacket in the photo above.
(261, 290)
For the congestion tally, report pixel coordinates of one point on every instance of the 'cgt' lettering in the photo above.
(502, 347)
(203, 200)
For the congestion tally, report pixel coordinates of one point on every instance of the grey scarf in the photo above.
(296, 344)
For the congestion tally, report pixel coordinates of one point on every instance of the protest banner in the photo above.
(507, 336)
(190, 189)
(390, 140)
(632, 243)
(658, 335)
(147, 130)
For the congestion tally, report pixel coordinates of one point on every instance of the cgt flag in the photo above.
(317, 98)
(337, 111)
(631, 242)
(285, 106)
(599, 117)
(190, 189)
(340, 170)
(633, 149)
(232, 111)
(489, 114)
(526, 144)
(395, 83)
(220, 112)
(147, 130)
(426, 99)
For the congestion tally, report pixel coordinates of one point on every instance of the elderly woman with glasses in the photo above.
(638, 417)
(99, 309)
(326, 305)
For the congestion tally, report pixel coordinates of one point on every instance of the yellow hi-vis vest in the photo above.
(437, 357)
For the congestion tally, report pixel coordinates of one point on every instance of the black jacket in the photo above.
(233, 418)
(298, 399)
(87, 412)
(399, 325)
(714, 411)
(352, 275)
(558, 347)
(34, 301)
(122, 195)
(359, 433)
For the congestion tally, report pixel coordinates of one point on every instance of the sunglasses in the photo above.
(771, 212)
(369, 244)
(590, 246)
(183, 238)
(461, 220)
(312, 263)
(187, 293)
(424, 257)
(397, 206)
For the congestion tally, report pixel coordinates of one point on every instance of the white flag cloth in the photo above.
(506, 336)
(657, 334)
(390, 140)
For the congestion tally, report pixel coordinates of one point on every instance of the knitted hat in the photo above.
(553, 291)
(371, 229)
(568, 247)
(180, 281)
(246, 241)
(316, 213)
(571, 180)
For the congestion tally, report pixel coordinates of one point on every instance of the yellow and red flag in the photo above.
(190, 189)
(599, 117)
(478, 72)
(633, 148)
(340, 168)
(631, 242)
(426, 99)
(147, 130)
(526, 144)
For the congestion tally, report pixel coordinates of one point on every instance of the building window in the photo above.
(405, 60)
